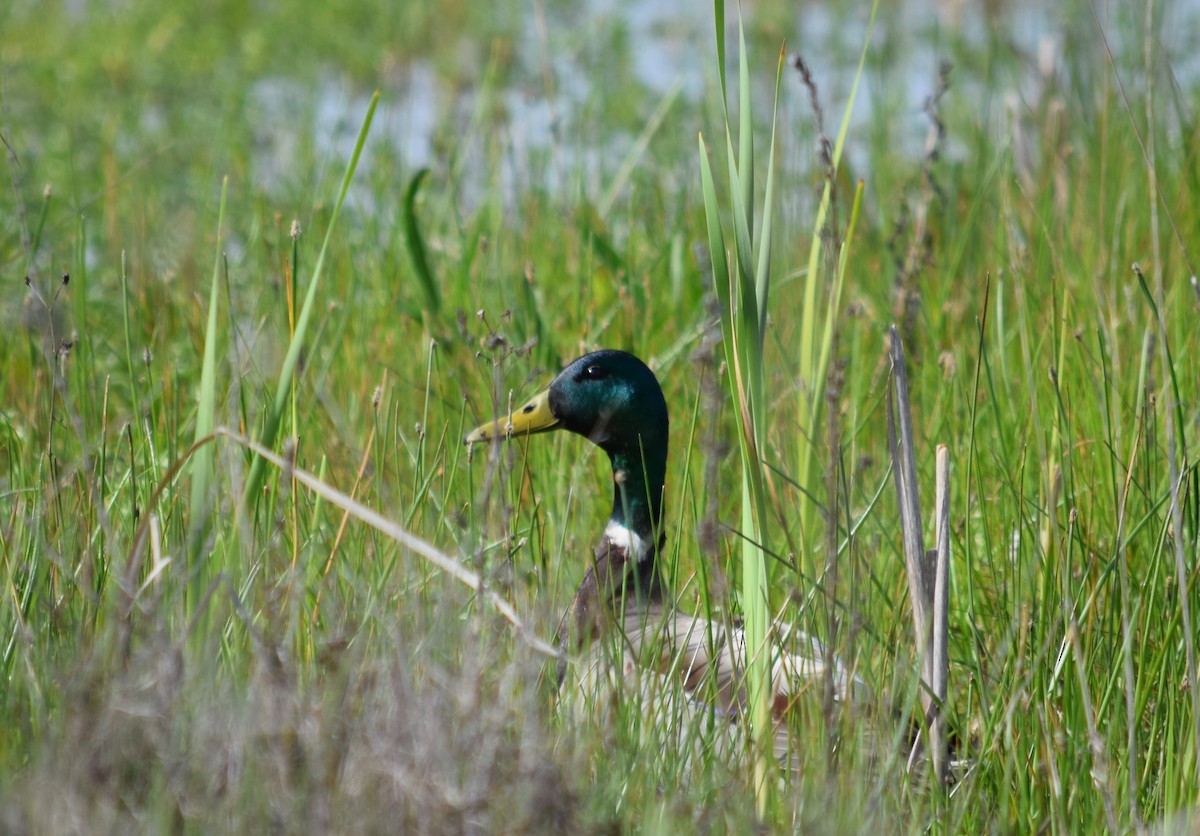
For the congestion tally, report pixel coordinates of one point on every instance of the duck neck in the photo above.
(638, 479)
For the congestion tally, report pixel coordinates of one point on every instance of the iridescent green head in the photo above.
(612, 399)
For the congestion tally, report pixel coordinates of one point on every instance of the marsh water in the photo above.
(573, 86)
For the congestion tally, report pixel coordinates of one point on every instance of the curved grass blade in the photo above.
(415, 242)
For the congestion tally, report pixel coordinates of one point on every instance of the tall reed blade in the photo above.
(201, 467)
(742, 295)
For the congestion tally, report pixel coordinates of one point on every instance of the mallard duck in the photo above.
(614, 400)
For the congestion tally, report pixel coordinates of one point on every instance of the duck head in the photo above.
(612, 399)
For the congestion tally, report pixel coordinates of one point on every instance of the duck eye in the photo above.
(595, 373)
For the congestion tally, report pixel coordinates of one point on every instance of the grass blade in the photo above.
(812, 378)
(271, 426)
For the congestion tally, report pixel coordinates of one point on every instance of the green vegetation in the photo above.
(196, 638)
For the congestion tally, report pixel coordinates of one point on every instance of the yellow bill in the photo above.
(533, 417)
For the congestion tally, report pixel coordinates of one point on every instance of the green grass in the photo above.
(315, 672)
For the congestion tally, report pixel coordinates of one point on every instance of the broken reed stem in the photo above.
(941, 614)
(928, 572)
(900, 439)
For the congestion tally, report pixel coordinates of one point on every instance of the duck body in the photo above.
(614, 400)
